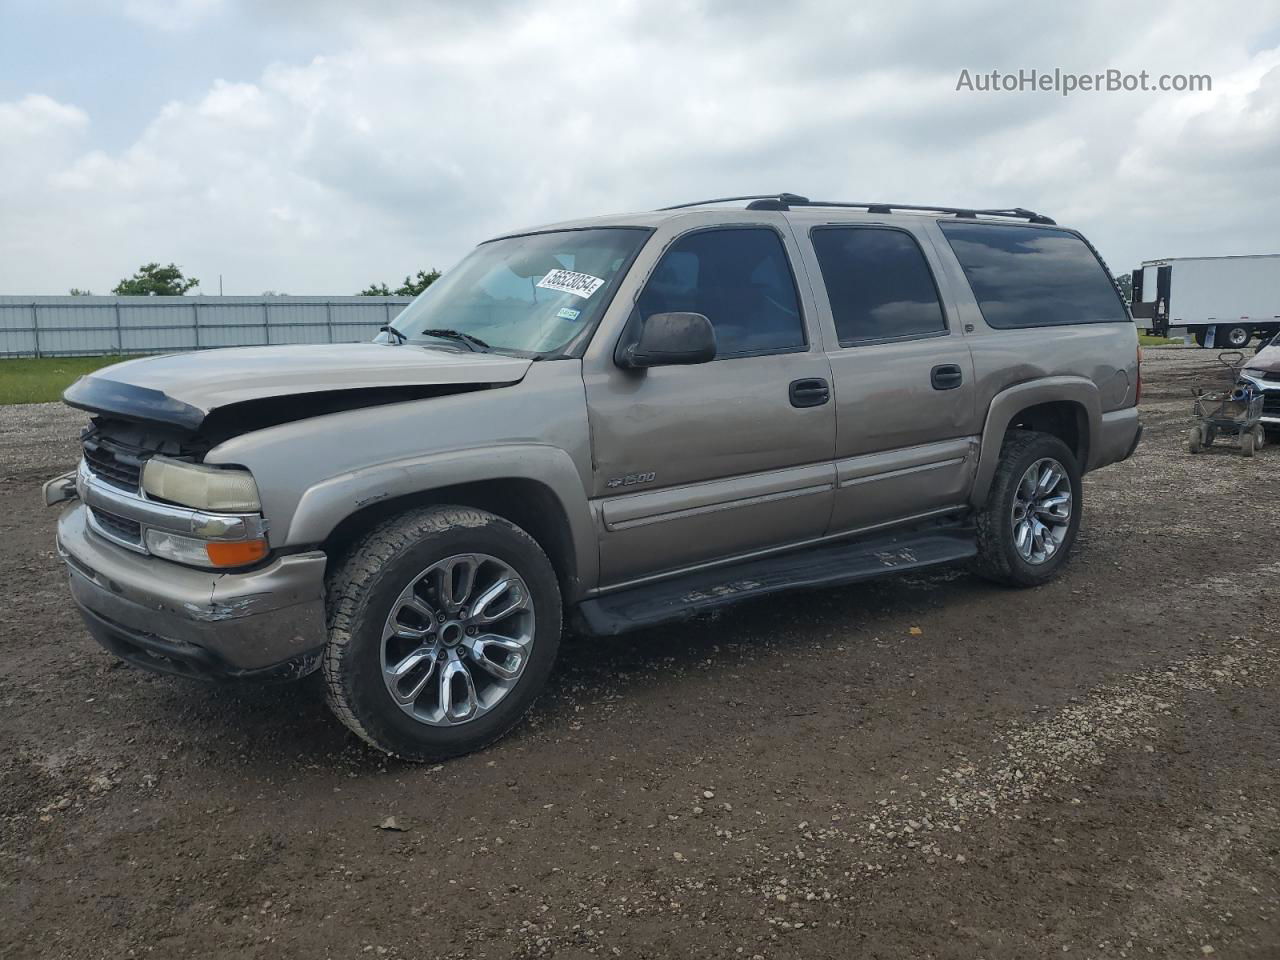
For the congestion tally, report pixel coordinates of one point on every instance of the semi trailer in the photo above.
(1222, 301)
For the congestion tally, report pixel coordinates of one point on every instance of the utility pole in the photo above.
(219, 284)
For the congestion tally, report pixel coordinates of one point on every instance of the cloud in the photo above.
(424, 128)
(171, 15)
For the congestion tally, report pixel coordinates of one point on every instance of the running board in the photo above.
(825, 566)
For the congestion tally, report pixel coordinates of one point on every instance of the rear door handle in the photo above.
(946, 376)
(811, 392)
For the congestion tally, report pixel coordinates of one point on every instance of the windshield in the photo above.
(531, 295)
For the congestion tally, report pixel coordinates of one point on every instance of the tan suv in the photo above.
(617, 422)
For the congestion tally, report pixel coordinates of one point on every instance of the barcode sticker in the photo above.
(566, 281)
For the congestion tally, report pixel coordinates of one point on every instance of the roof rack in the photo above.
(785, 201)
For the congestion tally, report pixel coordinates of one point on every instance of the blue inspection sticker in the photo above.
(568, 313)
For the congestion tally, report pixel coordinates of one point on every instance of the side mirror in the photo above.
(668, 339)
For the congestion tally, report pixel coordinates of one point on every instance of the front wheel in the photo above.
(1032, 513)
(444, 624)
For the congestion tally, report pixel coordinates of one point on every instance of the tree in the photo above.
(411, 287)
(1125, 282)
(153, 280)
(77, 292)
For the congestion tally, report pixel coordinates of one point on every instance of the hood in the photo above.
(1266, 360)
(183, 389)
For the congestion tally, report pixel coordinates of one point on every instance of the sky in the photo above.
(315, 146)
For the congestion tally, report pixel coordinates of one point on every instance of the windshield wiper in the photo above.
(475, 344)
(400, 337)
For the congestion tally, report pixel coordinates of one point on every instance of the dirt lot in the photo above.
(923, 767)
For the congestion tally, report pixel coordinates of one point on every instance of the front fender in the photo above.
(326, 504)
(1009, 402)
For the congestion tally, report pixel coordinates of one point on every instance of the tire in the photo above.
(1246, 443)
(999, 557)
(1237, 337)
(400, 567)
(1195, 440)
(1259, 437)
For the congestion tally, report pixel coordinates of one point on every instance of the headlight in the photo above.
(205, 488)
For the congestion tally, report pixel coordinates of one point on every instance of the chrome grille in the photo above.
(120, 527)
(112, 465)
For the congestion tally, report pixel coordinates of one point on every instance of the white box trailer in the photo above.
(1222, 301)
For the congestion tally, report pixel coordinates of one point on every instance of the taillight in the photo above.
(1137, 399)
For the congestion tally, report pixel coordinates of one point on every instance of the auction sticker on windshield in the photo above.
(566, 281)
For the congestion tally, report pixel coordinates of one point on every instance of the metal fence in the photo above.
(96, 326)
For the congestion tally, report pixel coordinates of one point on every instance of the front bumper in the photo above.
(1270, 391)
(265, 623)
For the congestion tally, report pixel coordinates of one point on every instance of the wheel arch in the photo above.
(1066, 407)
(545, 498)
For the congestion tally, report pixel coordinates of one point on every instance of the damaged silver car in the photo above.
(612, 423)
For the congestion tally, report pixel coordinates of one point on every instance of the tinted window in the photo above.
(1032, 276)
(740, 280)
(878, 283)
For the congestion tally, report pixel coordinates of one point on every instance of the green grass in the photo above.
(43, 379)
(1147, 341)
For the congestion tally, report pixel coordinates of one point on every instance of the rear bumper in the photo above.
(1117, 438)
(172, 619)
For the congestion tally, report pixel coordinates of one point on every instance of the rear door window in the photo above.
(740, 279)
(879, 284)
(1033, 276)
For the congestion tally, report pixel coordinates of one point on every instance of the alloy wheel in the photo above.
(1041, 511)
(457, 639)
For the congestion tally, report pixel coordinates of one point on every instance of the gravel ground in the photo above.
(926, 766)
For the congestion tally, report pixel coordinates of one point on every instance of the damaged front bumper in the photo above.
(266, 623)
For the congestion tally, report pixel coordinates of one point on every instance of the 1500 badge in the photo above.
(630, 480)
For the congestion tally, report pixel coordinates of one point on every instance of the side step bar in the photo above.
(824, 566)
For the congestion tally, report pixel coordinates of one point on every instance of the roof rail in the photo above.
(783, 198)
(785, 201)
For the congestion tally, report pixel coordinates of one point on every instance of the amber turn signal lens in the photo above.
(236, 553)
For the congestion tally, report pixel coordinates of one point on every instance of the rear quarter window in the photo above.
(1033, 276)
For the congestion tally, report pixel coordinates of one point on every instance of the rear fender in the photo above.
(1008, 403)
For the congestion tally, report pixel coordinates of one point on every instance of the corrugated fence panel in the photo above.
(233, 324)
(17, 334)
(91, 326)
(300, 323)
(158, 327)
(352, 321)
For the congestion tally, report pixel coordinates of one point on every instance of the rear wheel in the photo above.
(443, 626)
(1195, 439)
(1234, 337)
(1029, 522)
